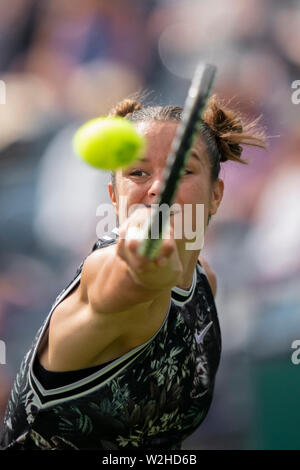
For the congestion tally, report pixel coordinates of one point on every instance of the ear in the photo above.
(216, 196)
(112, 194)
(113, 197)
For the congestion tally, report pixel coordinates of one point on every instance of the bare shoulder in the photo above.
(108, 287)
(98, 256)
(93, 263)
(210, 275)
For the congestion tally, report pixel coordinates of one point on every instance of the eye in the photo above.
(137, 173)
(187, 172)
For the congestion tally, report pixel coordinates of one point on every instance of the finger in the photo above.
(167, 248)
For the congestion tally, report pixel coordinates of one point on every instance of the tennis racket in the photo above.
(182, 144)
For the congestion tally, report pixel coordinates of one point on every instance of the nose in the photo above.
(154, 188)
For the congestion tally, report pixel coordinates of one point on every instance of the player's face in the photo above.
(141, 181)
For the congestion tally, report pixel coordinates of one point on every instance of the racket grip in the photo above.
(149, 247)
(153, 234)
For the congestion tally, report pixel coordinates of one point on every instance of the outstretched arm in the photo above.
(117, 278)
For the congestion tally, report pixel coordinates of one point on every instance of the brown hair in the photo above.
(222, 128)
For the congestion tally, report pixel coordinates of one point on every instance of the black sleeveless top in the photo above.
(50, 379)
(152, 397)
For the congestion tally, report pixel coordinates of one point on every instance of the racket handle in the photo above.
(150, 246)
(150, 250)
(186, 133)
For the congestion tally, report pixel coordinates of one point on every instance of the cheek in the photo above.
(133, 192)
(193, 190)
(126, 188)
(128, 194)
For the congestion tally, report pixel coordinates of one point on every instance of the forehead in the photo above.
(159, 129)
(160, 135)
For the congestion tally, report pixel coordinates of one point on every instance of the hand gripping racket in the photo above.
(182, 144)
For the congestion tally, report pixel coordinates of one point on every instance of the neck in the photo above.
(188, 259)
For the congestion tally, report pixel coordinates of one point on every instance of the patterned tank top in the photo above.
(152, 397)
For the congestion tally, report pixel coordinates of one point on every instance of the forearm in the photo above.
(115, 288)
(122, 278)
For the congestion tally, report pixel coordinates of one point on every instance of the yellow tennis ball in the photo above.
(108, 143)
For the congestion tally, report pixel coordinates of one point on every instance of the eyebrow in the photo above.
(196, 155)
(136, 163)
(193, 153)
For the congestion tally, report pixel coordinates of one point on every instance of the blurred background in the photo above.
(63, 62)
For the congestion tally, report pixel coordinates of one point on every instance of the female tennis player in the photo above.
(128, 355)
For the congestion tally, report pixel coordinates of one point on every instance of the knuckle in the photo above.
(168, 246)
(132, 245)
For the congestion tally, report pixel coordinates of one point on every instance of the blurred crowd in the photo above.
(63, 62)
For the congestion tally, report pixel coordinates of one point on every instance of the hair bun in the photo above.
(125, 107)
(229, 131)
(227, 127)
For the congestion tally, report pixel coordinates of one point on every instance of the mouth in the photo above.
(172, 212)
